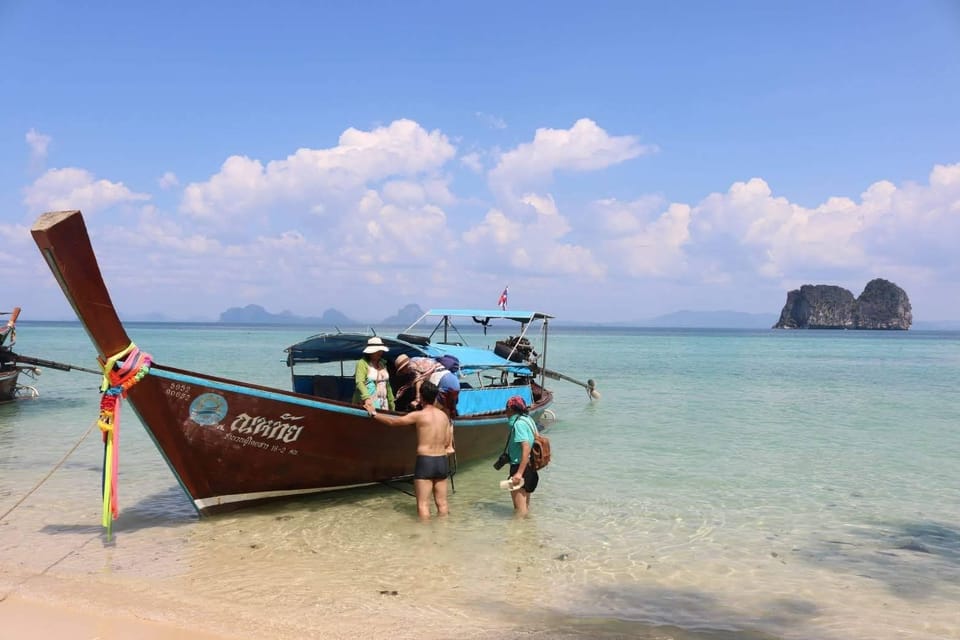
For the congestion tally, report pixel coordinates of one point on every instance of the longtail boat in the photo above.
(231, 443)
(10, 365)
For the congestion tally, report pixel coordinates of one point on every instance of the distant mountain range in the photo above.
(255, 314)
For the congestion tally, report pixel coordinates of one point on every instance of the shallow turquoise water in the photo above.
(797, 484)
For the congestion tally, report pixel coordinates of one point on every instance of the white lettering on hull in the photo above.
(268, 434)
(280, 429)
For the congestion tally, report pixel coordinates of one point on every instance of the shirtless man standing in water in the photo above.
(434, 441)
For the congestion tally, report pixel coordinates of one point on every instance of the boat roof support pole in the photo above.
(543, 353)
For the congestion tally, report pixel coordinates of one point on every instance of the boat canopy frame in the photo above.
(526, 319)
(324, 348)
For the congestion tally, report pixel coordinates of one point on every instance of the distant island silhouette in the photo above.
(255, 314)
(882, 305)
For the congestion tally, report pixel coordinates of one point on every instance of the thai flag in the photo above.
(502, 302)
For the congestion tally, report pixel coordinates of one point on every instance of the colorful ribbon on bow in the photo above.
(120, 372)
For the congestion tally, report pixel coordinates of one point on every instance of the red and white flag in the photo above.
(502, 302)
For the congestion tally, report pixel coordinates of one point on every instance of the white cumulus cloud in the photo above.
(473, 162)
(583, 147)
(168, 180)
(533, 243)
(644, 245)
(748, 232)
(38, 143)
(309, 178)
(73, 188)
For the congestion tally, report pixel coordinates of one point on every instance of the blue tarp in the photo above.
(489, 399)
(473, 359)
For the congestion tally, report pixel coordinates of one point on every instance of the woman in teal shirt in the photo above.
(522, 474)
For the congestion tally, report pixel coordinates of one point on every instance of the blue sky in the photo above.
(608, 161)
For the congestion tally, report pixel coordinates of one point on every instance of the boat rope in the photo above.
(388, 483)
(453, 471)
(49, 473)
(120, 372)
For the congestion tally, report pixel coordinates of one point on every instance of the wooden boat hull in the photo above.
(9, 372)
(8, 385)
(230, 443)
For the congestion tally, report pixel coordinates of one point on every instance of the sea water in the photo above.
(728, 484)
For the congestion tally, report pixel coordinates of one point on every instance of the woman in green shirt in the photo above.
(372, 380)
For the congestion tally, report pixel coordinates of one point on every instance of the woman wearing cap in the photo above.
(449, 384)
(522, 474)
(412, 373)
(372, 381)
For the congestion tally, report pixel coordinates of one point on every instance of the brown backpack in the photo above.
(540, 452)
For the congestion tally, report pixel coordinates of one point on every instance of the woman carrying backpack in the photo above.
(519, 445)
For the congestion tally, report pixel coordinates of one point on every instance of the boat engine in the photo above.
(516, 349)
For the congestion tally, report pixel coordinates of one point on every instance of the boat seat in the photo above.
(328, 387)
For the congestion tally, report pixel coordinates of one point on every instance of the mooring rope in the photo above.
(59, 464)
(49, 473)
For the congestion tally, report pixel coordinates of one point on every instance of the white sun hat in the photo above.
(374, 345)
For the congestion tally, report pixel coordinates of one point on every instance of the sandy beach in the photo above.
(66, 608)
(26, 617)
(83, 598)
(42, 606)
(46, 609)
(23, 618)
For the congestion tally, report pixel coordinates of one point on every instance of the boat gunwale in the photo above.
(318, 402)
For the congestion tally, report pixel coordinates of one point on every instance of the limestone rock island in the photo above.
(882, 305)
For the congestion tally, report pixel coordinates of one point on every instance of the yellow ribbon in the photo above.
(108, 420)
(111, 363)
(108, 486)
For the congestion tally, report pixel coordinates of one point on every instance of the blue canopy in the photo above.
(335, 347)
(338, 347)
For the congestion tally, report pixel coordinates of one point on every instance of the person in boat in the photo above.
(413, 372)
(448, 381)
(434, 439)
(372, 380)
(519, 446)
